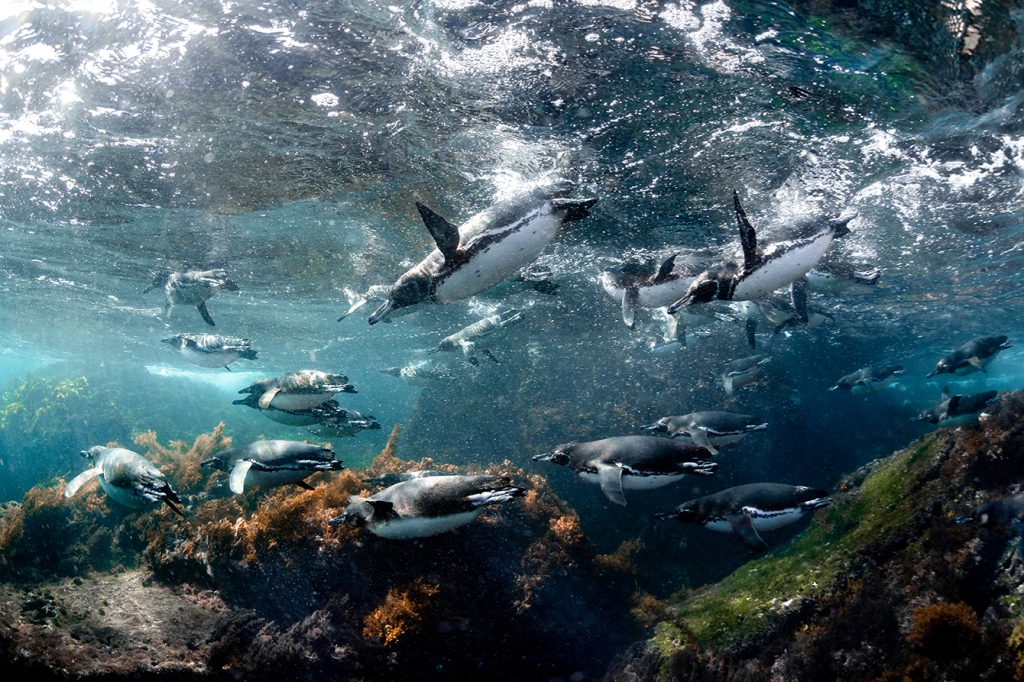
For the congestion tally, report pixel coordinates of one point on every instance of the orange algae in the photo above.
(180, 461)
(648, 609)
(388, 462)
(944, 630)
(400, 613)
(622, 560)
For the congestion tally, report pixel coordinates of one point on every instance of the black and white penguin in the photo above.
(842, 277)
(425, 506)
(392, 477)
(745, 510)
(193, 287)
(869, 379)
(646, 284)
(955, 410)
(742, 372)
(782, 264)
(297, 391)
(488, 248)
(710, 430)
(422, 372)
(630, 462)
(210, 350)
(126, 477)
(973, 356)
(272, 463)
(339, 423)
(467, 339)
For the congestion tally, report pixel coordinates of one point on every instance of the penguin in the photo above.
(272, 463)
(708, 429)
(957, 409)
(297, 391)
(466, 339)
(1008, 511)
(488, 248)
(194, 287)
(740, 373)
(782, 264)
(392, 477)
(869, 379)
(209, 350)
(842, 277)
(747, 509)
(426, 506)
(422, 372)
(630, 462)
(338, 423)
(645, 284)
(127, 477)
(973, 356)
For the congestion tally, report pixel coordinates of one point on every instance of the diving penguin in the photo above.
(973, 356)
(747, 509)
(740, 373)
(646, 284)
(782, 264)
(425, 506)
(127, 477)
(193, 287)
(296, 391)
(328, 419)
(467, 339)
(630, 462)
(273, 463)
(488, 248)
(869, 379)
(210, 350)
(708, 429)
(957, 409)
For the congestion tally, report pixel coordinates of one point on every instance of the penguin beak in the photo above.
(338, 520)
(681, 303)
(544, 457)
(932, 373)
(85, 453)
(382, 312)
(209, 462)
(149, 288)
(961, 520)
(170, 340)
(654, 428)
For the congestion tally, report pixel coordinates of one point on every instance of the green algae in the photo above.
(763, 591)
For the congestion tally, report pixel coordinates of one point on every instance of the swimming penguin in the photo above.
(1008, 511)
(869, 379)
(840, 276)
(957, 409)
(426, 506)
(740, 373)
(127, 477)
(194, 287)
(466, 340)
(747, 509)
(273, 463)
(296, 391)
(646, 284)
(338, 423)
(422, 372)
(973, 356)
(708, 429)
(392, 477)
(488, 248)
(209, 350)
(781, 264)
(630, 462)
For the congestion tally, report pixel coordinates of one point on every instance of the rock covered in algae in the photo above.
(884, 585)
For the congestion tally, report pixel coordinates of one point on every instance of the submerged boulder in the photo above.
(884, 585)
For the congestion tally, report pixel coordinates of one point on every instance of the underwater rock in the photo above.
(883, 585)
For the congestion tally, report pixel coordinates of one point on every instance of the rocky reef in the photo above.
(884, 585)
(259, 586)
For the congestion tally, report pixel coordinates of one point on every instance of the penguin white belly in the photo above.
(296, 402)
(122, 496)
(716, 439)
(871, 386)
(611, 288)
(761, 519)
(422, 527)
(633, 482)
(782, 269)
(520, 246)
(650, 295)
(209, 359)
(959, 420)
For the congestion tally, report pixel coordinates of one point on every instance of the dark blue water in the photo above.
(290, 141)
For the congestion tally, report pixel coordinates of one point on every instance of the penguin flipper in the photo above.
(798, 294)
(201, 306)
(304, 485)
(975, 362)
(610, 477)
(268, 397)
(751, 259)
(666, 269)
(445, 235)
(743, 527)
(237, 481)
(489, 355)
(629, 302)
(75, 484)
(174, 508)
(700, 437)
(751, 329)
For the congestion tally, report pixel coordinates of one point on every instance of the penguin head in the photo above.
(929, 416)
(686, 512)
(561, 455)
(91, 453)
(176, 340)
(159, 279)
(252, 400)
(941, 367)
(660, 426)
(410, 289)
(703, 289)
